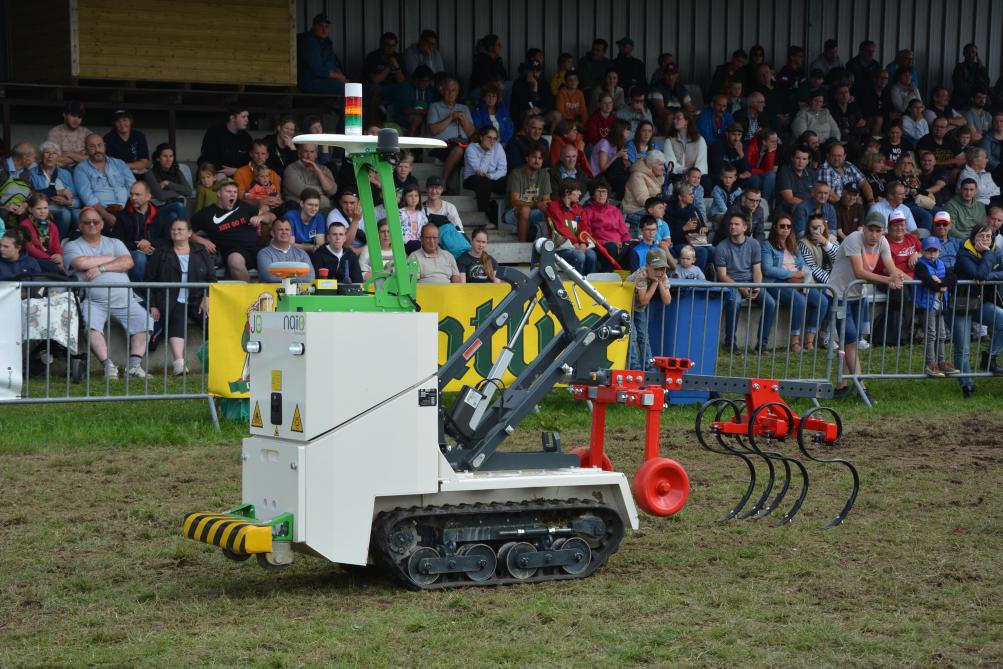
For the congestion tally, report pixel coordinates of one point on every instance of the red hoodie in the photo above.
(35, 247)
(567, 223)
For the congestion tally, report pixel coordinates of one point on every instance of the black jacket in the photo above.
(346, 270)
(164, 266)
(131, 226)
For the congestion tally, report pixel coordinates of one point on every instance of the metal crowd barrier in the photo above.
(895, 331)
(695, 326)
(58, 364)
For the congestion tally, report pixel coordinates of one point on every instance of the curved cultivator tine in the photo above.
(774, 421)
(826, 433)
(776, 501)
(722, 405)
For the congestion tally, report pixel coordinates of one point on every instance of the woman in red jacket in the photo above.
(42, 235)
(762, 156)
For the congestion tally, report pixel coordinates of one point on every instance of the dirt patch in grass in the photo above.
(97, 573)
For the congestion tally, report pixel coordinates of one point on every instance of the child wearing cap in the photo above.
(931, 298)
(648, 280)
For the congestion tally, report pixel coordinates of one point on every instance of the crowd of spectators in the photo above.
(774, 179)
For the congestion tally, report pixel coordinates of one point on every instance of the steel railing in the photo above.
(57, 359)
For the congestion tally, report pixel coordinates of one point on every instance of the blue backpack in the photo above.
(453, 240)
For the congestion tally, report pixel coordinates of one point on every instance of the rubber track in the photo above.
(440, 516)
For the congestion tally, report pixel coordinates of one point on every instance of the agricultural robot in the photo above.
(364, 464)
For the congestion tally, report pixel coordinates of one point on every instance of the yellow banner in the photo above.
(461, 309)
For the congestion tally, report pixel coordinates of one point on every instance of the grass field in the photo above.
(96, 573)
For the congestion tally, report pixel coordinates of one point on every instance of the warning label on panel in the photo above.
(297, 425)
(256, 416)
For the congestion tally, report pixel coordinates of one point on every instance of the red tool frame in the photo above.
(768, 415)
(661, 485)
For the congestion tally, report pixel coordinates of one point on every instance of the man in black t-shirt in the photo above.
(228, 145)
(231, 228)
(127, 144)
(945, 149)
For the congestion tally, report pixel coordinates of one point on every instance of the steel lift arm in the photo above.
(573, 356)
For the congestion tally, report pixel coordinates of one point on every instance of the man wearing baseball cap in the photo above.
(859, 257)
(905, 248)
(320, 71)
(949, 246)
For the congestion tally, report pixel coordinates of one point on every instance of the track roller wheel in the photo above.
(583, 554)
(583, 454)
(661, 487)
(510, 555)
(418, 567)
(268, 566)
(487, 564)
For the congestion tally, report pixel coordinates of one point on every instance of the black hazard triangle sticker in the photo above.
(297, 425)
(256, 416)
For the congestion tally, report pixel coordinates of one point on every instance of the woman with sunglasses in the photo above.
(783, 263)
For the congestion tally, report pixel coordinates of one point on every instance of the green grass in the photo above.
(96, 573)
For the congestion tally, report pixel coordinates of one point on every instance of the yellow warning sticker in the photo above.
(276, 430)
(297, 425)
(256, 416)
(276, 380)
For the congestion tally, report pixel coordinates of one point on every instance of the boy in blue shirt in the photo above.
(725, 193)
(650, 230)
(655, 207)
(931, 297)
(307, 221)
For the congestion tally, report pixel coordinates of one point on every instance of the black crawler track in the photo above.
(397, 534)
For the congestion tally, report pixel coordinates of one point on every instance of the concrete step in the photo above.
(473, 219)
(462, 202)
(511, 253)
(502, 235)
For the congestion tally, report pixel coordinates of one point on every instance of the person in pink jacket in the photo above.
(606, 224)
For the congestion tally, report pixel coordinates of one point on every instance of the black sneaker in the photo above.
(841, 393)
(869, 396)
(968, 392)
(994, 367)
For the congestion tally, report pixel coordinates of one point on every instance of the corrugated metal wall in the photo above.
(701, 33)
(935, 30)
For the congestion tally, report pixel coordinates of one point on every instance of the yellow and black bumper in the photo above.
(236, 535)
